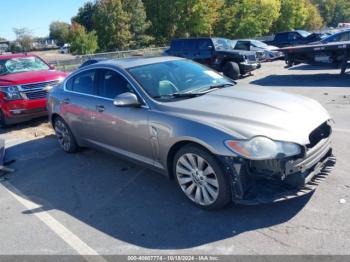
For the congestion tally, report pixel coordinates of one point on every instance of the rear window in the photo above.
(82, 83)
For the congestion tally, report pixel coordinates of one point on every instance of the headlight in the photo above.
(262, 148)
(11, 92)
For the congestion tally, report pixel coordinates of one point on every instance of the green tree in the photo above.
(164, 16)
(112, 25)
(59, 31)
(82, 42)
(182, 18)
(198, 17)
(334, 11)
(85, 15)
(24, 37)
(138, 23)
(247, 18)
(293, 15)
(314, 20)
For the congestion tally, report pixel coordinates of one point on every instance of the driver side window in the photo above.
(112, 84)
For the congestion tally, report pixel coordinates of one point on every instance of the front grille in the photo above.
(321, 132)
(37, 90)
(36, 94)
(40, 85)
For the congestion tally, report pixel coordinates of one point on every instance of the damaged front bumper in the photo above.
(258, 182)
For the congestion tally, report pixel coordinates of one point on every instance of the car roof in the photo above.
(136, 61)
(15, 56)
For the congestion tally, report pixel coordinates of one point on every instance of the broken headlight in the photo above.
(11, 92)
(262, 148)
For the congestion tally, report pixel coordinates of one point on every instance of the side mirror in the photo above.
(210, 47)
(127, 99)
(52, 67)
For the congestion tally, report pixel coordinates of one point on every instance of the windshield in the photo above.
(21, 64)
(303, 33)
(164, 79)
(222, 43)
(259, 44)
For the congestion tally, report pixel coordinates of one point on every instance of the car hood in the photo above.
(244, 112)
(31, 77)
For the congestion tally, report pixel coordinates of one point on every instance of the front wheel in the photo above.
(201, 178)
(64, 136)
(231, 70)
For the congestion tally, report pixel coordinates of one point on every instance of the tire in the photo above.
(2, 120)
(64, 136)
(231, 70)
(201, 177)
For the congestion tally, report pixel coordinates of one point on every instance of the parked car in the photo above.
(65, 49)
(216, 53)
(221, 142)
(24, 83)
(298, 37)
(264, 52)
(337, 37)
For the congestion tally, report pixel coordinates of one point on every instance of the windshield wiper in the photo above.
(194, 94)
(179, 95)
(221, 85)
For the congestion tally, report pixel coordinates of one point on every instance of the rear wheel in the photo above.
(64, 136)
(201, 178)
(231, 70)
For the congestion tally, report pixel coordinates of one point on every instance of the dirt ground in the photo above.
(53, 55)
(28, 131)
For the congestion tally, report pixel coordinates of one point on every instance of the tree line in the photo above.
(109, 25)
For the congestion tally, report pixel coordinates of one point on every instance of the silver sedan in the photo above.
(221, 142)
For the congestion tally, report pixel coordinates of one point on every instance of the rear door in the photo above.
(123, 130)
(77, 105)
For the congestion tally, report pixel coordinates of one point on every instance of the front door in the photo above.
(123, 130)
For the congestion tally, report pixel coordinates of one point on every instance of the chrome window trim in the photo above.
(145, 105)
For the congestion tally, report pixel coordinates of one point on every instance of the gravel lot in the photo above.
(95, 203)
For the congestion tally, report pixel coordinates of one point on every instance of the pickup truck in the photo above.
(216, 53)
(298, 37)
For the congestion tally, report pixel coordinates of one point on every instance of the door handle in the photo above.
(66, 101)
(100, 108)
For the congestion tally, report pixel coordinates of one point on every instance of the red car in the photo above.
(24, 83)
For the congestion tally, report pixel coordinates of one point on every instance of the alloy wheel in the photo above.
(63, 135)
(197, 179)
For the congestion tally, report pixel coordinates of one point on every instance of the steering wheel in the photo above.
(166, 84)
